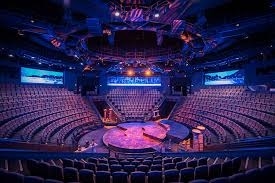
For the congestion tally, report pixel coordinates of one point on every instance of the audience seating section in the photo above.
(79, 171)
(41, 113)
(229, 113)
(134, 104)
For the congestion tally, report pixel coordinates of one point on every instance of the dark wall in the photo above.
(86, 83)
(180, 84)
(9, 74)
(70, 80)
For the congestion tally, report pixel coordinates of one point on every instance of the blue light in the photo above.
(133, 81)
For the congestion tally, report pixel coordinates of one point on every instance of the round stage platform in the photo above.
(137, 137)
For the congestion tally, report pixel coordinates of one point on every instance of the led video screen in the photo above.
(233, 77)
(29, 75)
(133, 81)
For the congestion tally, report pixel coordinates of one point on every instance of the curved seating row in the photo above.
(37, 113)
(230, 113)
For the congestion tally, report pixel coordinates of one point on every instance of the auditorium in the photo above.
(137, 91)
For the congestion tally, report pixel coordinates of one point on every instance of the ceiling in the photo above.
(161, 34)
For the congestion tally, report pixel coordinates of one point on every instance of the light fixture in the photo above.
(130, 72)
(117, 13)
(156, 15)
(11, 55)
(148, 72)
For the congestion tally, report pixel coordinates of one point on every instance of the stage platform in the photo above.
(176, 132)
(135, 137)
(142, 137)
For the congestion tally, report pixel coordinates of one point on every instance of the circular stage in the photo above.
(135, 137)
(141, 137)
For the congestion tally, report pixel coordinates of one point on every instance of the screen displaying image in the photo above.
(133, 81)
(233, 77)
(29, 75)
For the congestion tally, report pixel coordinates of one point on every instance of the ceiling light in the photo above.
(130, 72)
(237, 25)
(148, 72)
(39, 63)
(117, 13)
(32, 21)
(11, 55)
(156, 15)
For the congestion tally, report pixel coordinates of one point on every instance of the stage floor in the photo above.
(177, 131)
(135, 136)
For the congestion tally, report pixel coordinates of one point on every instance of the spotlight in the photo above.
(156, 15)
(117, 13)
(130, 72)
(148, 72)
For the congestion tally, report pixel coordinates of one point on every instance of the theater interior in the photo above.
(137, 91)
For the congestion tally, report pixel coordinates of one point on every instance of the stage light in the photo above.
(186, 37)
(117, 13)
(148, 72)
(130, 72)
(156, 15)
